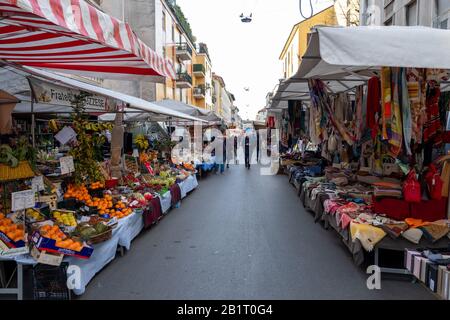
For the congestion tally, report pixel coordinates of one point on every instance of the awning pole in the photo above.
(33, 124)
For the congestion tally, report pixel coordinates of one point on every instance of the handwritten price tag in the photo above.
(38, 183)
(22, 200)
(67, 165)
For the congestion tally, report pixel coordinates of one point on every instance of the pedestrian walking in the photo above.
(247, 151)
(235, 149)
(257, 146)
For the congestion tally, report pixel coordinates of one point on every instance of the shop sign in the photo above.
(48, 93)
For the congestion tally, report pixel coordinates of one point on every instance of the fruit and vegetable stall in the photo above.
(68, 198)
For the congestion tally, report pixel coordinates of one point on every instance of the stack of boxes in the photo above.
(435, 277)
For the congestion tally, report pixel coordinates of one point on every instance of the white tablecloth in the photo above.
(166, 201)
(127, 229)
(188, 185)
(132, 226)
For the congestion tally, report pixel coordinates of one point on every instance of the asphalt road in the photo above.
(241, 236)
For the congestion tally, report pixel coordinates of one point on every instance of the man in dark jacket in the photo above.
(247, 151)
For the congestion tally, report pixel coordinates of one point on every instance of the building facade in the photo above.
(158, 24)
(428, 13)
(297, 42)
(223, 100)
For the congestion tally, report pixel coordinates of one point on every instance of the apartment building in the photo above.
(161, 26)
(428, 13)
(297, 42)
(223, 100)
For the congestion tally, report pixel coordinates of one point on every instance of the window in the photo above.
(164, 21)
(444, 24)
(173, 33)
(411, 14)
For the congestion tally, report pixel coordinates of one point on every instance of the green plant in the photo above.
(182, 19)
(21, 151)
(86, 167)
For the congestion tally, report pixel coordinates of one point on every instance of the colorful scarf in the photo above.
(386, 106)
(358, 127)
(406, 111)
(321, 100)
(416, 94)
(432, 126)
(396, 128)
(373, 105)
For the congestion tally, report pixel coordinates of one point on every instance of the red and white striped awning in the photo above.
(74, 37)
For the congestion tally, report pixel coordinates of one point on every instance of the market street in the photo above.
(241, 236)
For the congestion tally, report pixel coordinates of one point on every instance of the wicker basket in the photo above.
(22, 171)
(102, 237)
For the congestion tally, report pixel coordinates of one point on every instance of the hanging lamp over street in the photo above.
(74, 37)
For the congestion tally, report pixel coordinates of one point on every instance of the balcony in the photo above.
(199, 92)
(184, 80)
(184, 52)
(199, 70)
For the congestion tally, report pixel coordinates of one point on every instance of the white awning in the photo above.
(178, 106)
(343, 51)
(133, 104)
(345, 57)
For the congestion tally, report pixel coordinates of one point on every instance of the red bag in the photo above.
(434, 183)
(411, 188)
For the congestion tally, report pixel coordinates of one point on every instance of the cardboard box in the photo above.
(9, 243)
(423, 270)
(409, 259)
(432, 279)
(47, 257)
(45, 244)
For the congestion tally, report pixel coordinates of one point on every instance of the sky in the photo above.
(246, 54)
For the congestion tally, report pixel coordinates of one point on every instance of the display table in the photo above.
(166, 201)
(188, 185)
(127, 229)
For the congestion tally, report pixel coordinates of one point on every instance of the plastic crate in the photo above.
(50, 283)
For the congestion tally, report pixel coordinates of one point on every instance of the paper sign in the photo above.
(67, 165)
(37, 183)
(22, 200)
(66, 135)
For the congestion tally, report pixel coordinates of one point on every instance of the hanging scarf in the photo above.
(406, 111)
(396, 128)
(432, 126)
(359, 112)
(321, 99)
(386, 105)
(416, 93)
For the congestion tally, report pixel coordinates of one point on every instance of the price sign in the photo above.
(66, 135)
(67, 165)
(37, 183)
(22, 200)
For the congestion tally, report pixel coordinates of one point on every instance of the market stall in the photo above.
(372, 163)
(81, 219)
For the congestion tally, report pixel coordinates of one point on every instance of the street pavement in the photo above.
(241, 236)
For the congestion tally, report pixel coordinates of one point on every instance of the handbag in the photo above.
(332, 143)
(434, 183)
(411, 188)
